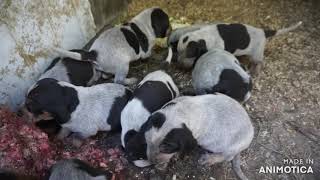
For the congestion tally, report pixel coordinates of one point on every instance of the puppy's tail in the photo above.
(165, 64)
(77, 54)
(271, 33)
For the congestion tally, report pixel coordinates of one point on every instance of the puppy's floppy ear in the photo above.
(178, 140)
(70, 102)
(196, 49)
(131, 133)
(202, 47)
(160, 22)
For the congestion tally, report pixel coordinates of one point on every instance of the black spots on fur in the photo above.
(153, 95)
(94, 172)
(185, 39)
(53, 63)
(269, 33)
(143, 40)
(160, 22)
(132, 39)
(79, 72)
(232, 85)
(178, 140)
(49, 96)
(235, 36)
(116, 109)
(136, 146)
(157, 119)
(196, 49)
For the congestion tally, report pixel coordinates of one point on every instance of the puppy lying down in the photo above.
(80, 110)
(219, 71)
(216, 123)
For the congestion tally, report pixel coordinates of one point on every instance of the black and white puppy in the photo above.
(176, 34)
(120, 45)
(75, 169)
(238, 39)
(78, 73)
(155, 90)
(215, 122)
(81, 110)
(220, 71)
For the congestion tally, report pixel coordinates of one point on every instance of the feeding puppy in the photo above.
(219, 71)
(118, 46)
(238, 39)
(76, 169)
(216, 123)
(176, 34)
(81, 110)
(155, 90)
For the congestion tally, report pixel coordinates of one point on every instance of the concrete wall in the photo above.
(27, 27)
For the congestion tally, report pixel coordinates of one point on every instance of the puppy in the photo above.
(81, 110)
(176, 34)
(79, 73)
(118, 46)
(155, 90)
(238, 39)
(76, 169)
(216, 123)
(219, 71)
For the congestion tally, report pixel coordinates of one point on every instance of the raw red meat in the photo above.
(26, 149)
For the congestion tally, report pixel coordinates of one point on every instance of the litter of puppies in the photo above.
(155, 123)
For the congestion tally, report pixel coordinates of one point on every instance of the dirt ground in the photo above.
(285, 105)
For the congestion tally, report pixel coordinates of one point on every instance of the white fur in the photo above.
(218, 123)
(93, 110)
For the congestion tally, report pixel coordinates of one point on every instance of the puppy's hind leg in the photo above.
(211, 158)
(236, 167)
(121, 75)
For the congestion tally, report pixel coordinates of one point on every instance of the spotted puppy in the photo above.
(216, 123)
(81, 110)
(79, 73)
(176, 34)
(238, 39)
(118, 46)
(155, 90)
(76, 169)
(219, 71)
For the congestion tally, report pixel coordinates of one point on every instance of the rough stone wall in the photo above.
(27, 27)
(106, 11)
